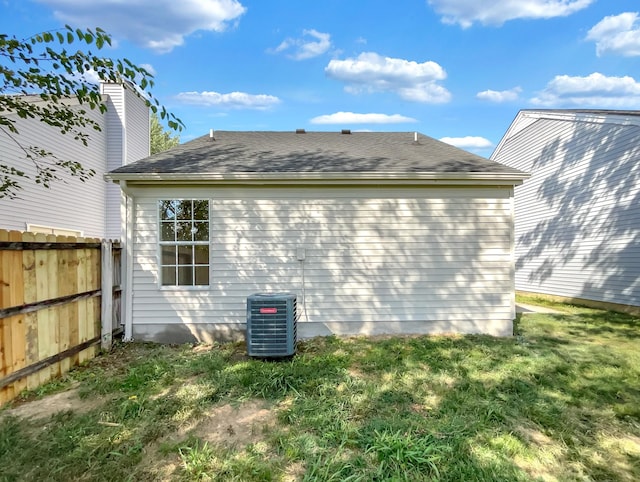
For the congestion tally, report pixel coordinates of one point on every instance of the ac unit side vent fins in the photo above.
(271, 325)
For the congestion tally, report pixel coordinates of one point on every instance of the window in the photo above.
(184, 242)
(39, 229)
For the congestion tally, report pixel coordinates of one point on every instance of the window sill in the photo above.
(185, 288)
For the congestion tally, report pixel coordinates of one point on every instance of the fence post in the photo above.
(107, 294)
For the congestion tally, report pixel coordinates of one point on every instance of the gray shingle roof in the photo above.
(313, 152)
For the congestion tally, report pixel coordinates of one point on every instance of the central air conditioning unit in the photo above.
(271, 325)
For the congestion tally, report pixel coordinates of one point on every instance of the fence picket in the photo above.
(16, 298)
(65, 289)
(42, 293)
(43, 334)
(30, 319)
(6, 355)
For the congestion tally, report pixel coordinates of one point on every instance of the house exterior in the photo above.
(374, 232)
(577, 218)
(72, 207)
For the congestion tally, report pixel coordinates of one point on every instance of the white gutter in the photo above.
(492, 178)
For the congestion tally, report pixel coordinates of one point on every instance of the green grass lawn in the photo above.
(558, 401)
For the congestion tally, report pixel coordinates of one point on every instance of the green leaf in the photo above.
(55, 82)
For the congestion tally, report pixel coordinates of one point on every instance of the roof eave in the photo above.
(489, 178)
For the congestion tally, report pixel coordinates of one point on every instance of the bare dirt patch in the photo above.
(231, 426)
(159, 467)
(60, 402)
(294, 472)
(234, 426)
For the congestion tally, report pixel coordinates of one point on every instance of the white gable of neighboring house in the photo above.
(577, 218)
(91, 208)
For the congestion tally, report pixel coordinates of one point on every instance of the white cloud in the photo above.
(496, 12)
(617, 34)
(595, 90)
(149, 68)
(303, 48)
(354, 118)
(499, 96)
(370, 72)
(468, 142)
(90, 76)
(232, 100)
(160, 25)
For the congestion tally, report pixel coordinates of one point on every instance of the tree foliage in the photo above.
(44, 67)
(161, 139)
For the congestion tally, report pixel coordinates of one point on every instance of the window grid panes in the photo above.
(184, 242)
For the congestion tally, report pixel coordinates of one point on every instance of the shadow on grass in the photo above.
(611, 323)
(559, 400)
(497, 406)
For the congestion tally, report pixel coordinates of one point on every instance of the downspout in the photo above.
(512, 242)
(128, 216)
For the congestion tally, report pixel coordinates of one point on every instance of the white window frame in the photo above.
(193, 243)
(41, 229)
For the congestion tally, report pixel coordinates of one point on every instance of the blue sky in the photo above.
(457, 70)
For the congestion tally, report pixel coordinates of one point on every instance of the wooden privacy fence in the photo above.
(59, 300)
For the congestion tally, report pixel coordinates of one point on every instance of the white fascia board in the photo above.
(604, 117)
(595, 117)
(444, 178)
(507, 135)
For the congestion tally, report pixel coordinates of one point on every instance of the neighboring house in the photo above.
(374, 233)
(72, 207)
(578, 217)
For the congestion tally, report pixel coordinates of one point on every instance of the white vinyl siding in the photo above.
(127, 124)
(577, 217)
(115, 122)
(91, 207)
(371, 255)
(71, 204)
(137, 128)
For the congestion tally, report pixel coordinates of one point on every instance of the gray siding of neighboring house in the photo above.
(378, 260)
(93, 207)
(72, 204)
(577, 218)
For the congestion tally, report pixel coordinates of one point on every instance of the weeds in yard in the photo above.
(203, 462)
(406, 455)
(198, 459)
(558, 401)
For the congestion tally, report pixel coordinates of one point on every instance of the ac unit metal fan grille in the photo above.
(271, 325)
